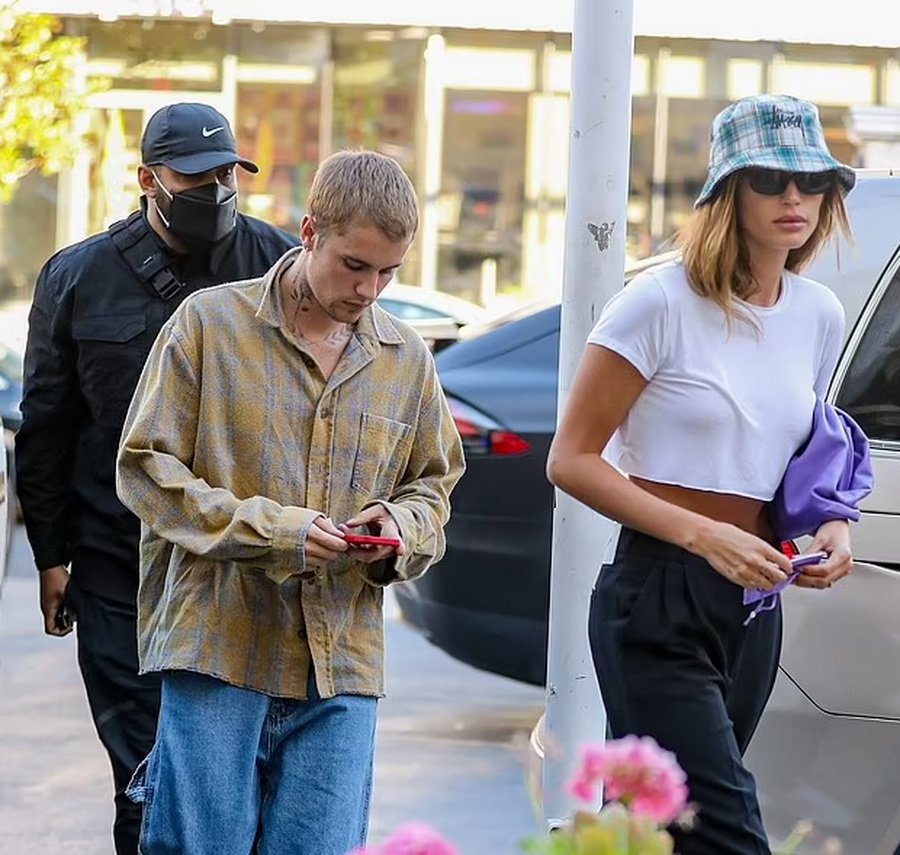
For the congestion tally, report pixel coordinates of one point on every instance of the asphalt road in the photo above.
(451, 744)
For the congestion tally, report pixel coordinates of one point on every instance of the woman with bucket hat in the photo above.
(707, 370)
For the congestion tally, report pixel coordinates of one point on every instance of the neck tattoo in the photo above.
(300, 301)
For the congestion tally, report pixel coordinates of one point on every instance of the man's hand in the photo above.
(54, 581)
(375, 520)
(324, 542)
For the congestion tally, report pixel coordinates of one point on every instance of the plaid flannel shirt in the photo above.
(234, 443)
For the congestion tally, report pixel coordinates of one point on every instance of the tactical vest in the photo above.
(142, 252)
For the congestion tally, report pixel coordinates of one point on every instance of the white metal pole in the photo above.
(599, 153)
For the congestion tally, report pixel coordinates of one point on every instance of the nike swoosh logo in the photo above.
(208, 132)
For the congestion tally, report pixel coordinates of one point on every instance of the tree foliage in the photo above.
(41, 95)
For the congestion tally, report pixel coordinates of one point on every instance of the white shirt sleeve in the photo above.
(832, 343)
(633, 324)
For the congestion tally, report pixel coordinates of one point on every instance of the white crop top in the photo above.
(724, 408)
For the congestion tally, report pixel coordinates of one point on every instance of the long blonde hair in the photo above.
(715, 254)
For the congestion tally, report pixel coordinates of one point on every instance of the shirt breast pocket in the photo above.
(111, 354)
(382, 451)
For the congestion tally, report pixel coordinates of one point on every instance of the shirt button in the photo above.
(324, 414)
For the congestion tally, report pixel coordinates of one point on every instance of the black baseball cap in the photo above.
(190, 138)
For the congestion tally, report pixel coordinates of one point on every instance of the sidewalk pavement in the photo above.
(450, 751)
(52, 768)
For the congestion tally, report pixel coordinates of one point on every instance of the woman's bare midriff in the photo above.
(747, 514)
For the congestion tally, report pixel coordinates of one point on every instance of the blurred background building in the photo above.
(473, 100)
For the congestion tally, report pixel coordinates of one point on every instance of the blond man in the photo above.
(275, 417)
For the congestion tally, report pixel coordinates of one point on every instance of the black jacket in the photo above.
(91, 326)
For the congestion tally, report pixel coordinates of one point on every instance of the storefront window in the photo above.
(835, 122)
(376, 85)
(482, 192)
(376, 92)
(826, 82)
(27, 233)
(278, 128)
(637, 242)
(114, 143)
(687, 156)
(162, 55)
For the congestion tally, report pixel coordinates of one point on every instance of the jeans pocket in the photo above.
(139, 785)
(140, 790)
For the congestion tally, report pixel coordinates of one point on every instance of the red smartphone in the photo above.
(371, 540)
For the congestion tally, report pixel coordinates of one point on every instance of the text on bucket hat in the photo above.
(773, 132)
(190, 138)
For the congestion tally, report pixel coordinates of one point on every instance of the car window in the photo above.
(870, 391)
(408, 311)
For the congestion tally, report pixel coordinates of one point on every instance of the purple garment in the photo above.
(826, 479)
(767, 599)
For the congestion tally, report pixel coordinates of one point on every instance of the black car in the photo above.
(501, 386)
(486, 602)
(10, 387)
(10, 417)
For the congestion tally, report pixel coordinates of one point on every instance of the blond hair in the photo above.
(715, 254)
(356, 187)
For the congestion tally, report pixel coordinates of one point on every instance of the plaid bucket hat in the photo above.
(771, 131)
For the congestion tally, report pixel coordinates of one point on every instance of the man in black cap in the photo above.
(97, 308)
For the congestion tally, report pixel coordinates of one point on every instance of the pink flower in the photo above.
(414, 838)
(636, 772)
(582, 789)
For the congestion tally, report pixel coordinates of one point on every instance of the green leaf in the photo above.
(41, 96)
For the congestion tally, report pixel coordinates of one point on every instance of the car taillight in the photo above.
(482, 436)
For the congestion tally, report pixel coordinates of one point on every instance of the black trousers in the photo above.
(675, 662)
(124, 705)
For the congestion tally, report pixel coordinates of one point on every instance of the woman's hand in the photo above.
(833, 538)
(743, 558)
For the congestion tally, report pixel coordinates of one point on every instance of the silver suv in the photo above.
(828, 748)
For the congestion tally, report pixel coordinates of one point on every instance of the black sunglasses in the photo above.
(773, 182)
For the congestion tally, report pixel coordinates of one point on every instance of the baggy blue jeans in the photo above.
(234, 772)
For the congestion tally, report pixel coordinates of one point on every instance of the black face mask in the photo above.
(202, 215)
